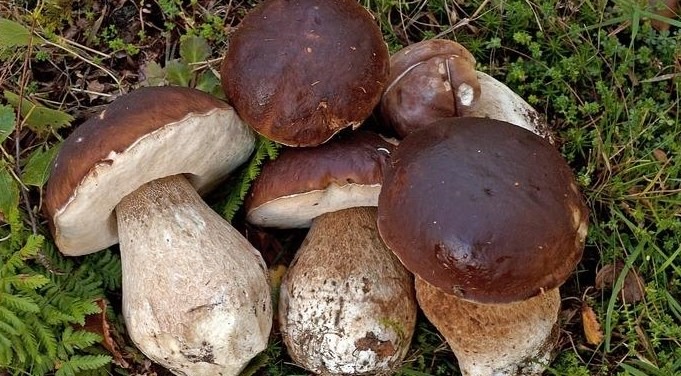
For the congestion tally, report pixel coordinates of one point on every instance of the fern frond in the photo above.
(108, 267)
(18, 302)
(54, 316)
(32, 246)
(11, 318)
(72, 340)
(7, 329)
(25, 281)
(79, 363)
(11, 264)
(6, 354)
(30, 343)
(46, 338)
(265, 149)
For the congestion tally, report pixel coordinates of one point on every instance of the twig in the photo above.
(41, 258)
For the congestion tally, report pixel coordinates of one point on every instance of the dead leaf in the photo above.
(664, 8)
(632, 289)
(276, 275)
(660, 155)
(591, 325)
(97, 323)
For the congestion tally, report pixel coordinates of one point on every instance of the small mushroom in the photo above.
(428, 81)
(300, 71)
(346, 305)
(195, 292)
(496, 224)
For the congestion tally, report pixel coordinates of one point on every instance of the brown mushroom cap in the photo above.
(300, 71)
(303, 183)
(483, 209)
(429, 81)
(145, 135)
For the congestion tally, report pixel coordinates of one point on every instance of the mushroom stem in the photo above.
(498, 101)
(195, 293)
(494, 339)
(347, 305)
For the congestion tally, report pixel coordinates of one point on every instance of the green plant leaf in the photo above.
(7, 122)
(39, 119)
(209, 83)
(13, 34)
(194, 49)
(154, 74)
(37, 169)
(9, 199)
(178, 73)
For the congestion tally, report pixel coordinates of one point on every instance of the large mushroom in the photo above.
(496, 224)
(300, 71)
(346, 305)
(195, 292)
(436, 79)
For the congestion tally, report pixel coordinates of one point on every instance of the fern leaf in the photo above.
(82, 308)
(54, 316)
(80, 339)
(26, 281)
(6, 354)
(46, 338)
(7, 329)
(30, 343)
(264, 149)
(108, 267)
(11, 319)
(14, 262)
(271, 148)
(32, 246)
(79, 363)
(19, 303)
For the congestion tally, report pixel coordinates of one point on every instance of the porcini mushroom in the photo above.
(429, 80)
(300, 71)
(496, 224)
(346, 305)
(195, 293)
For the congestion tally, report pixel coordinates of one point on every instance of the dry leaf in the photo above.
(97, 323)
(276, 274)
(664, 8)
(632, 289)
(591, 325)
(660, 155)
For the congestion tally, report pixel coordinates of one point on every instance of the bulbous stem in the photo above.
(494, 339)
(347, 305)
(196, 297)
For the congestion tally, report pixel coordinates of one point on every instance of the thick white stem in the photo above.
(347, 305)
(196, 297)
(494, 339)
(497, 101)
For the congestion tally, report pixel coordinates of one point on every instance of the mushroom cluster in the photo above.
(472, 215)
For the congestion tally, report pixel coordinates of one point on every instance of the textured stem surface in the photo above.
(347, 305)
(196, 297)
(494, 339)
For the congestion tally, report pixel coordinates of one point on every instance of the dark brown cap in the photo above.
(147, 134)
(483, 209)
(303, 183)
(299, 71)
(429, 80)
